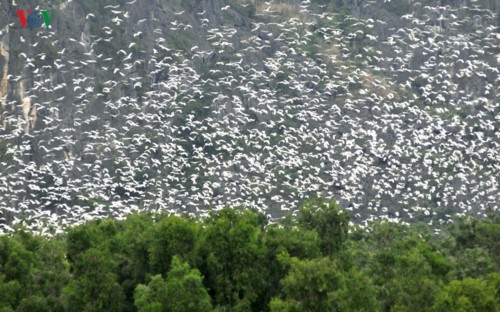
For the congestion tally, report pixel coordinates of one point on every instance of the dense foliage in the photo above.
(235, 260)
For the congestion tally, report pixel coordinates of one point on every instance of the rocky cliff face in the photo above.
(389, 107)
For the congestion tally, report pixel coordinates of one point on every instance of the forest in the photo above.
(236, 260)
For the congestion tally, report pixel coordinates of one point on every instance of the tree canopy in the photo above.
(234, 260)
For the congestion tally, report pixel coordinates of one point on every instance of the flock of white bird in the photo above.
(396, 123)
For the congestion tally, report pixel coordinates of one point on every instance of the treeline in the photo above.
(235, 261)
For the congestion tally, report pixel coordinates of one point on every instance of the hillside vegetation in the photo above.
(235, 261)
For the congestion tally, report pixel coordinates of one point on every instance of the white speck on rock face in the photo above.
(26, 104)
(4, 52)
(63, 4)
(85, 36)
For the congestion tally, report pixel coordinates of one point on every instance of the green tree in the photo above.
(32, 270)
(294, 242)
(11, 293)
(96, 233)
(414, 286)
(470, 233)
(473, 262)
(325, 217)
(17, 262)
(320, 285)
(233, 259)
(359, 293)
(493, 279)
(52, 271)
(171, 236)
(183, 291)
(133, 243)
(300, 243)
(407, 269)
(151, 297)
(309, 286)
(468, 295)
(17, 265)
(34, 304)
(95, 287)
